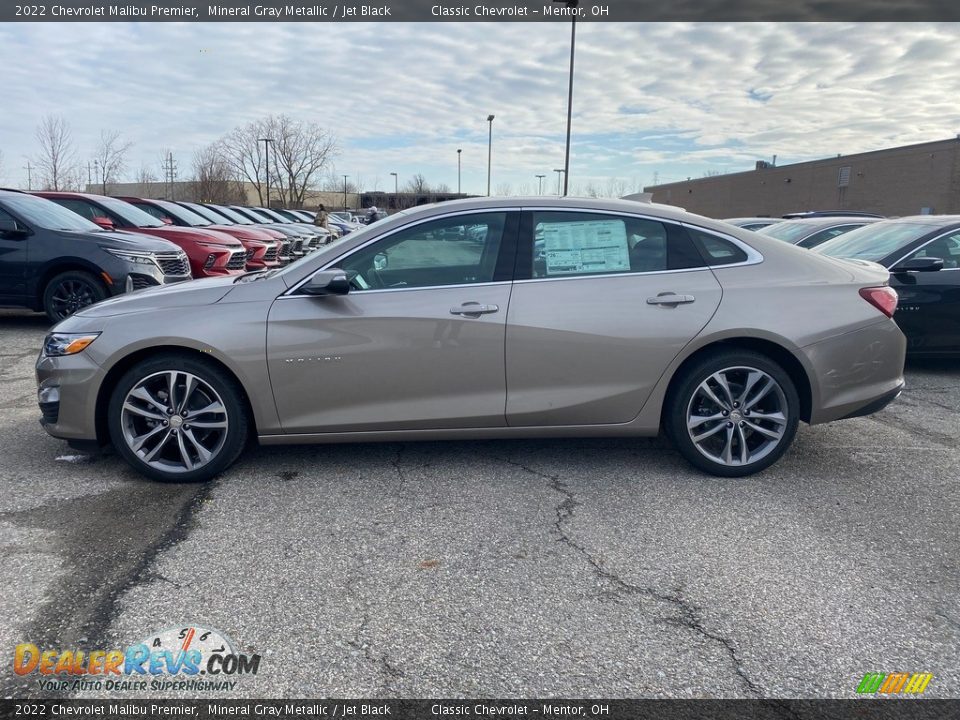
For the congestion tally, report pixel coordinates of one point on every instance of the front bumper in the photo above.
(67, 394)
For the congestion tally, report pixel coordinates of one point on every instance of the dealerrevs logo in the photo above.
(186, 658)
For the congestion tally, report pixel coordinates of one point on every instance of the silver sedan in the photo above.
(486, 318)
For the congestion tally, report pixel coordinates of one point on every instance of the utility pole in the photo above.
(170, 175)
(103, 176)
(572, 4)
(489, 152)
(29, 168)
(89, 176)
(560, 173)
(459, 150)
(345, 192)
(540, 184)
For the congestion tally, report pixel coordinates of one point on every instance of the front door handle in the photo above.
(473, 309)
(669, 298)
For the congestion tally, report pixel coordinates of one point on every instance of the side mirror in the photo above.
(9, 228)
(327, 282)
(104, 222)
(924, 264)
(380, 261)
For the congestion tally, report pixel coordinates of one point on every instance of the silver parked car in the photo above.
(627, 320)
(809, 232)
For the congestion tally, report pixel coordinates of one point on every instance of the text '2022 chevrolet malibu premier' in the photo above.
(541, 318)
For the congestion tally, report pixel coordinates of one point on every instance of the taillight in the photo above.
(883, 298)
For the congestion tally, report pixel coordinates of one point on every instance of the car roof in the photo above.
(932, 220)
(758, 218)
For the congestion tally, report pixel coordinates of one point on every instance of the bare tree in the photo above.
(417, 184)
(213, 178)
(57, 161)
(145, 176)
(299, 153)
(441, 189)
(111, 157)
(503, 189)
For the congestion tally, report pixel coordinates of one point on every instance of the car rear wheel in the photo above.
(70, 292)
(177, 419)
(733, 414)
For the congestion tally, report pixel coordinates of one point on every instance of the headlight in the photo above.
(60, 344)
(134, 256)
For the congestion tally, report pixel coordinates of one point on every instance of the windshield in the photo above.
(133, 215)
(273, 215)
(233, 215)
(205, 212)
(789, 231)
(47, 214)
(182, 214)
(257, 217)
(874, 242)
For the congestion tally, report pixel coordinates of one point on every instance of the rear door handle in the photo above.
(473, 309)
(669, 298)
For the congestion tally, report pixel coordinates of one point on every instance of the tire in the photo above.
(172, 446)
(738, 433)
(69, 292)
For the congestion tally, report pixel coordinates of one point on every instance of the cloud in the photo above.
(672, 98)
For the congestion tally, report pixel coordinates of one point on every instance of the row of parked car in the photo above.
(921, 252)
(60, 251)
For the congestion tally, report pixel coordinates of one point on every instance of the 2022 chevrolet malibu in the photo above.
(627, 320)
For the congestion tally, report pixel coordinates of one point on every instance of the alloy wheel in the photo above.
(72, 295)
(737, 416)
(174, 421)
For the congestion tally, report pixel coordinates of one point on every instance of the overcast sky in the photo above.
(672, 99)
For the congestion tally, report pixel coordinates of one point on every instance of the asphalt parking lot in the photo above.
(595, 568)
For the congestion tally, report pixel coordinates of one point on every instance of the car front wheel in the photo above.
(733, 414)
(70, 292)
(178, 419)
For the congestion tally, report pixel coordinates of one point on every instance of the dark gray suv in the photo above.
(55, 261)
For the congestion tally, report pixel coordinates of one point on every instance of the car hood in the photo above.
(120, 240)
(183, 294)
(242, 233)
(186, 234)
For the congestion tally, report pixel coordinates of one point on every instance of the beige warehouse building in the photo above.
(908, 180)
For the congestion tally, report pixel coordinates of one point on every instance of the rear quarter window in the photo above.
(716, 250)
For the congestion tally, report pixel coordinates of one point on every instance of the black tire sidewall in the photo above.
(225, 386)
(675, 421)
(98, 289)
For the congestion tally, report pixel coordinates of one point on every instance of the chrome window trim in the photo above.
(372, 291)
(394, 231)
(954, 231)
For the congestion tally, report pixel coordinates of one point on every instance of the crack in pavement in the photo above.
(85, 598)
(399, 469)
(381, 662)
(688, 615)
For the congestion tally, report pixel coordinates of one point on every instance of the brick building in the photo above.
(908, 180)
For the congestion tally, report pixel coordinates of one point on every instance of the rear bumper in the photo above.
(877, 405)
(856, 373)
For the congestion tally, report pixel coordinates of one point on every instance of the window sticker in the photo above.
(594, 246)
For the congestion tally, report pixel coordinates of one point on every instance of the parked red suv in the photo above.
(211, 253)
(262, 249)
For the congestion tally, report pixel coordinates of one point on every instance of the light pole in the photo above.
(266, 150)
(396, 192)
(540, 184)
(489, 152)
(459, 150)
(560, 173)
(345, 192)
(572, 5)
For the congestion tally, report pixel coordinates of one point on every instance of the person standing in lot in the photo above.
(321, 219)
